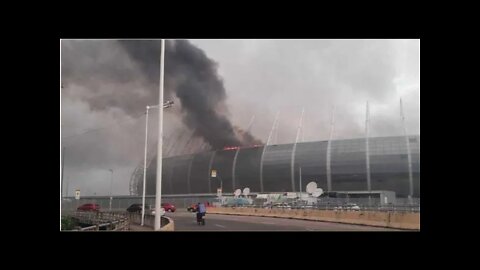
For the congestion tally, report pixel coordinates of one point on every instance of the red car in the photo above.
(192, 208)
(89, 207)
(168, 207)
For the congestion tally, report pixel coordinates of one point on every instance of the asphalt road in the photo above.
(186, 221)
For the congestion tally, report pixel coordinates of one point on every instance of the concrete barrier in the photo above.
(170, 225)
(167, 223)
(397, 220)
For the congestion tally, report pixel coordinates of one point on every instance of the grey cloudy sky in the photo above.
(264, 76)
(260, 77)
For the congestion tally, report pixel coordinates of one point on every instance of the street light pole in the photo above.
(145, 166)
(111, 182)
(329, 152)
(409, 156)
(63, 163)
(158, 197)
(221, 182)
(367, 153)
(300, 188)
(165, 105)
(67, 187)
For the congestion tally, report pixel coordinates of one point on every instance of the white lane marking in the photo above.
(219, 225)
(308, 229)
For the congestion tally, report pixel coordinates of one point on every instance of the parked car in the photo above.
(169, 207)
(306, 206)
(89, 207)
(192, 208)
(282, 205)
(137, 208)
(348, 206)
(352, 206)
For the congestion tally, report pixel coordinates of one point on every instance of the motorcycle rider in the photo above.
(201, 210)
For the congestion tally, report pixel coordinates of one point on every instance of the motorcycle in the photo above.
(201, 219)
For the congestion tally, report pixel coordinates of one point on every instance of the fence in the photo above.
(121, 203)
(351, 207)
(337, 207)
(338, 204)
(108, 221)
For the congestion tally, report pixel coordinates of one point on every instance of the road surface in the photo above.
(186, 221)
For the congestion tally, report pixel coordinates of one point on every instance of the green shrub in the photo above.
(68, 224)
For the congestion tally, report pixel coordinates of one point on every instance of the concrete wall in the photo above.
(398, 220)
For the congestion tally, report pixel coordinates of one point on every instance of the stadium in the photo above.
(241, 167)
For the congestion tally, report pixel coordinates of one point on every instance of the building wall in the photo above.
(388, 168)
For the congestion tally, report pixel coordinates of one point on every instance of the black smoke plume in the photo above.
(192, 77)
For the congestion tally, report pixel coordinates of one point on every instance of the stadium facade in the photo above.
(191, 174)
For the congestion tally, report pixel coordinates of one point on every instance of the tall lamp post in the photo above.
(221, 183)
(165, 105)
(214, 175)
(111, 182)
(409, 156)
(63, 163)
(158, 193)
(63, 160)
(221, 188)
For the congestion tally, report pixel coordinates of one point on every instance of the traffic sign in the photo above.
(77, 194)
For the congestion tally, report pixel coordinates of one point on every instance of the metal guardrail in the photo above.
(108, 220)
(111, 221)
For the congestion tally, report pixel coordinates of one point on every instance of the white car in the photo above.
(348, 206)
(162, 211)
(351, 206)
(282, 205)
